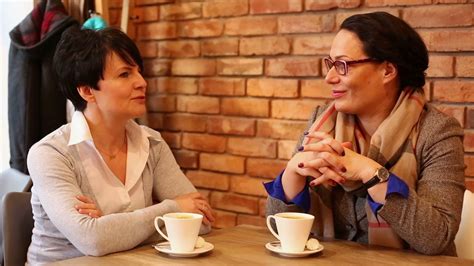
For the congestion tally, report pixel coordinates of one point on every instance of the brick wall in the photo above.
(232, 82)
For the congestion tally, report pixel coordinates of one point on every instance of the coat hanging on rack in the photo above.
(36, 106)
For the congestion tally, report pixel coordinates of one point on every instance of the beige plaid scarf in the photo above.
(392, 145)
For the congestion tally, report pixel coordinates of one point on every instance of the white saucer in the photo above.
(275, 246)
(165, 247)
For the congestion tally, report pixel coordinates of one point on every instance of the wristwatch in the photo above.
(381, 175)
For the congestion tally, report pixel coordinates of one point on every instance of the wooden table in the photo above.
(246, 245)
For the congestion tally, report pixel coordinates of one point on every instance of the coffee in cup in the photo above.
(182, 228)
(293, 229)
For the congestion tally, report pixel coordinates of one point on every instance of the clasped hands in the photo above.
(330, 162)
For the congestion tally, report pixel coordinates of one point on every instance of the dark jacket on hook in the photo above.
(36, 106)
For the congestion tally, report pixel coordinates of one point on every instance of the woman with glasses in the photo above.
(377, 165)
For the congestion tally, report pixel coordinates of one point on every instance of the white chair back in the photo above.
(465, 237)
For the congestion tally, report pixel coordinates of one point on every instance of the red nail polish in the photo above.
(343, 169)
(300, 165)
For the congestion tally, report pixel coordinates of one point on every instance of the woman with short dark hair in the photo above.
(377, 165)
(100, 181)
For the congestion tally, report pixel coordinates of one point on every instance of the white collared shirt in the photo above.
(112, 196)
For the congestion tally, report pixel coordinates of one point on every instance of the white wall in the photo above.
(11, 13)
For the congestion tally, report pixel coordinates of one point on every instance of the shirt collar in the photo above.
(80, 130)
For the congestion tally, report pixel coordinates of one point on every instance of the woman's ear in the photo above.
(86, 93)
(390, 72)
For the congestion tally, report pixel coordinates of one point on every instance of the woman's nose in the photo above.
(140, 82)
(332, 76)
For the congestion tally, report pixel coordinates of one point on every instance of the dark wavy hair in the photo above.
(388, 38)
(80, 59)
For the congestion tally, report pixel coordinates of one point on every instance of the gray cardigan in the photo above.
(60, 232)
(428, 219)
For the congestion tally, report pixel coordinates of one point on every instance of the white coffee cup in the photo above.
(293, 229)
(182, 229)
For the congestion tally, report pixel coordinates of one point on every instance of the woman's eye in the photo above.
(124, 74)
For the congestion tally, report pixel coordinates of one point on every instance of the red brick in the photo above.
(246, 26)
(440, 66)
(248, 185)
(442, 40)
(470, 184)
(330, 4)
(465, 66)
(262, 206)
(231, 125)
(470, 118)
(284, 88)
(114, 17)
(280, 129)
(147, 49)
(220, 47)
(453, 91)
(294, 109)
(205, 179)
(222, 86)
(293, 66)
(222, 163)
(264, 45)
(255, 147)
(315, 88)
(186, 159)
(267, 168)
(178, 49)
(155, 120)
(157, 31)
(320, 4)
(115, 3)
(372, 3)
(152, 86)
(198, 104)
(185, 122)
(201, 28)
(193, 67)
(150, 2)
(172, 139)
(224, 219)
(286, 148)
(228, 8)
(203, 142)
(439, 16)
(251, 220)
(306, 23)
(469, 161)
(180, 11)
(468, 140)
(245, 107)
(235, 203)
(450, 1)
(240, 66)
(142, 14)
(177, 85)
(454, 111)
(156, 67)
(275, 6)
(313, 45)
(161, 103)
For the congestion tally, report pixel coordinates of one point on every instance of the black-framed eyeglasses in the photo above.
(342, 66)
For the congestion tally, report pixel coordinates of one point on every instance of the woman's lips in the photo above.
(337, 94)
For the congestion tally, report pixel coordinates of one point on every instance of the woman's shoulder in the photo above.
(435, 122)
(58, 139)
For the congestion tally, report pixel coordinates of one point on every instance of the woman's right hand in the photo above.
(196, 203)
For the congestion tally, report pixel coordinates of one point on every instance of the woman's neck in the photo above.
(107, 132)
